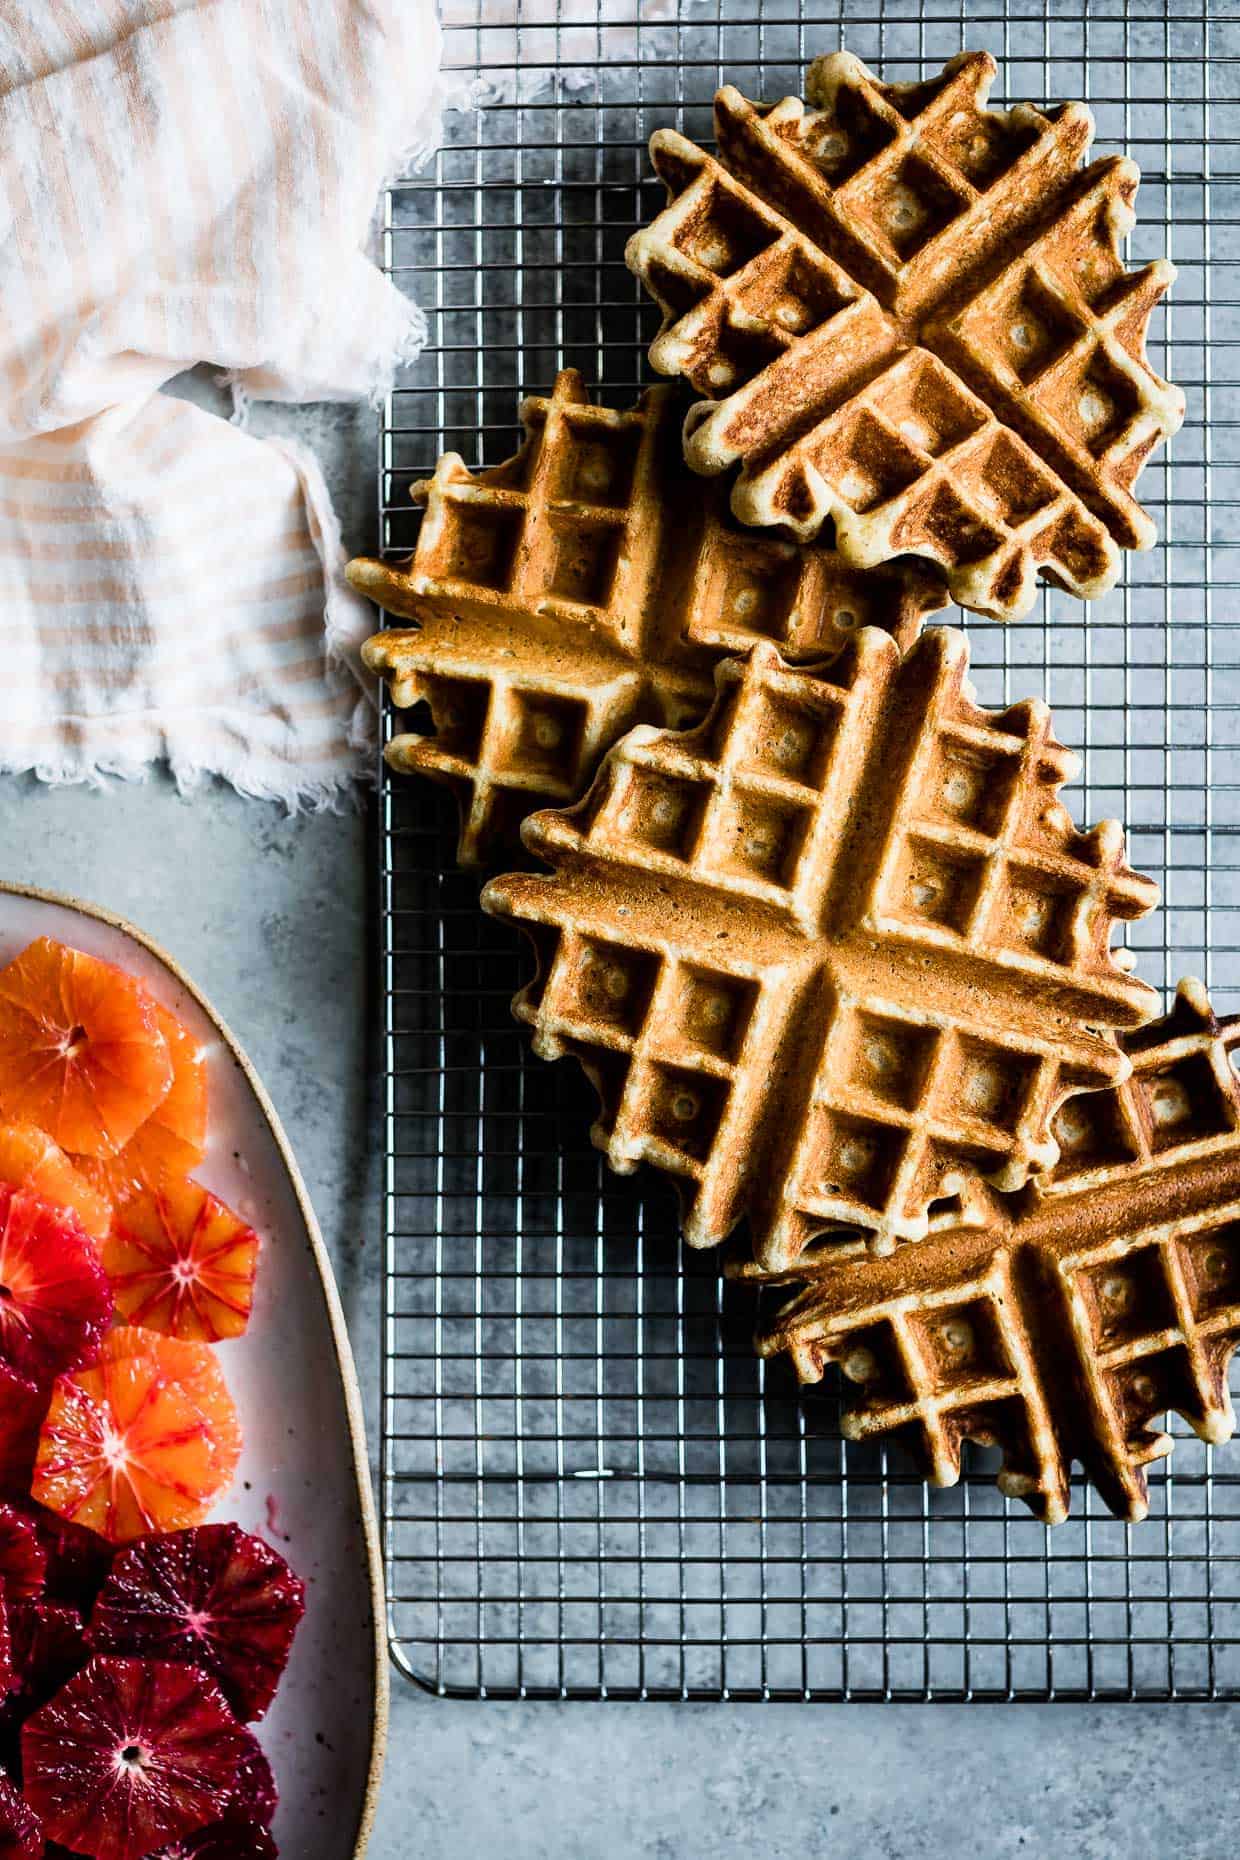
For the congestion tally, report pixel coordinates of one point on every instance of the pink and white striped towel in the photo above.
(187, 181)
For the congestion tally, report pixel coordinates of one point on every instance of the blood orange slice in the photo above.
(145, 1441)
(78, 1560)
(21, 1834)
(179, 1261)
(23, 1560)
(215, 1597)
(81, 1053)
(31, 1161)
(242, 1833)
(8, 1673)
(223, 1840)
(55, 1303)
(22, 1408)
(256, 1798)
(49, 1647)
(130, 1755)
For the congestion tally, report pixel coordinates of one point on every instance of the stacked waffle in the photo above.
(819, 929)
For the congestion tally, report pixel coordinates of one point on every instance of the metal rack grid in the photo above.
(590, 1487)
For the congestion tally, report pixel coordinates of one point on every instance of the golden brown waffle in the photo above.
(835, 949)
(1063, 1322)
(588, 584)
(909, 314)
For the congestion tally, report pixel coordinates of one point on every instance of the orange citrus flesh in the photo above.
(149, 1159)
(81, 1053)
(180, 1262)
(146, 1440)
(172, 1141)
(195, 1368)
(183, 1113)
(30, 1161)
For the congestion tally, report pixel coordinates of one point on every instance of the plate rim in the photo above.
(341, 1345)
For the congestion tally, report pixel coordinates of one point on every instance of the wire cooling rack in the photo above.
(590, 1486)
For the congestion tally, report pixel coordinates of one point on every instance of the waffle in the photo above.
(908, 313)
(1063, 1323)
(834, 950)
(589, 584)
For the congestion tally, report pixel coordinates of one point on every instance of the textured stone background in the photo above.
(272, 918)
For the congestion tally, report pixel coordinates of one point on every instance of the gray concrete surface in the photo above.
(272, 917)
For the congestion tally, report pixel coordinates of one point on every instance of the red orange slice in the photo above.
(21, 1831)
(215, 1597)
(22, 1408)
(130, 1756)
(55, 1302)
(180, 1262)
(23, 1560)
(146, 1440)
(81, 1052)
(30, 1160)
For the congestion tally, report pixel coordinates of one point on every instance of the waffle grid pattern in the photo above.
(589, 1484)
(1135, 1294)
(588, 584)
(900, 1071)
(834, 284)
(954, 1364)
(551, 534)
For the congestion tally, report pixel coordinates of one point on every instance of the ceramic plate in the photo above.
(303, 1481)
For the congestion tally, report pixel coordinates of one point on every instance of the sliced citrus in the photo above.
(23, 1560)
(8, 1671)
(55, 1302)
(215, 1597)
(146, 1162)
(78, 1560)
(81, 1053)
(49, 1647)
(30, 1160)
(147, 1440)
(21, 1831)
(183, 1112)
(172, 1141)
(254, 1801)
(234, 1838)
(179, 1261)
(22, 1408)
(131, 1755)
(195, 1368)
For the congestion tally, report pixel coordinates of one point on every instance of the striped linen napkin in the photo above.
(190, 181)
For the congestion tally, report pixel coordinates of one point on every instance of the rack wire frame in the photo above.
(590, 1487)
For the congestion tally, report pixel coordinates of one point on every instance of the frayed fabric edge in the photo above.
(417, 143)
(256, 777)
(420, 135)
(348, 617)
(400, 351)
